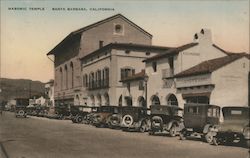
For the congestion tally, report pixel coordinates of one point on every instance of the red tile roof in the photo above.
(209, 66)
(171, 51)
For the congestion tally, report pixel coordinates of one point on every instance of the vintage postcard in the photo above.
(124, 79)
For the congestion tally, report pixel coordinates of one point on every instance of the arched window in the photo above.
(61, 78)
(85, 80)
(155, 100)
(141, 101)
(72, 74)
(172, 100)
(66, 76)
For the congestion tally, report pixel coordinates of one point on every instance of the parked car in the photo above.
(102, 117)
(236, 126)
(135, 118)
(21, 111)
(200, 119)
(166, 118)
(115, 119)
(78, 112)
(89, 118)
(63, 111)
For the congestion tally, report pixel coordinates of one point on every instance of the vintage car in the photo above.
(235, 126)
(63, 111)
(102, 117)
(21, 111)
(200, 119)
(89, 118)
(135, 118)
(78, 113)
(166, 118)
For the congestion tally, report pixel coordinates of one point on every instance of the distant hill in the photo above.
(20, 88)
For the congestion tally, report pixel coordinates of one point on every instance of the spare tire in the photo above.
(127, 120)
(155, 121)
(21, 112)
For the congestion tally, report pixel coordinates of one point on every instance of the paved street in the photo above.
(46, 138)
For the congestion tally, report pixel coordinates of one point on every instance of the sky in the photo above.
(28, 35)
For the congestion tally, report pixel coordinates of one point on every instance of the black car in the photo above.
(166, 118)
(102, 117)
(200, 119)
(135, 118)
(63, 111)
(21, 111)
(78, 113)
(235, 128)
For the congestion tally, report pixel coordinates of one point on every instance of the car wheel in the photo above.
(79, 119)
(247, 141)
(215, 141)
(209, 138)
(183, 135)
(151, 133)
(172, 131)
(143, 126)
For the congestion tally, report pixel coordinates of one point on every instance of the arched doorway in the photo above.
(155, 100)
(77, 101)
(120, 101)
(129, 101)
(106, 99)
(142, 102)
(172, 100)
(92, 99)
(99, 100)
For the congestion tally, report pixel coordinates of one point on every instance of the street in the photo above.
(35, 137)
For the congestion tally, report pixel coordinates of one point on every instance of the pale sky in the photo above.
(27, 36)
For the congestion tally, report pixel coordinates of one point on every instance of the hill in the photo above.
(20, 88)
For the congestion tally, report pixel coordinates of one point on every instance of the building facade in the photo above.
(198, 72)
(80, 43)
(113, 62)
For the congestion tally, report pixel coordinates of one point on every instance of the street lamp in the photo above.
(146, 89)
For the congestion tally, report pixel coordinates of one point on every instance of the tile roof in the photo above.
(171, 51)
(209, 65)
(130, 46)
(79, 31)
(138, 76)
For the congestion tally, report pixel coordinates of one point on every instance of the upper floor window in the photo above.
(100, 44)
(118, 29)
(126, 72)
(154, 66)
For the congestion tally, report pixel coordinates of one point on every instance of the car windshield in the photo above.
(236, 113)
(213, 112)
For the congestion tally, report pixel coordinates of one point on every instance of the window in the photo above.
(154, 66)
(72, 74)
(118, 29)
(126, 72)
(127, 51)
(100, 44)
(141, 85)
(85, 80)
(147, 53)
(194, 110)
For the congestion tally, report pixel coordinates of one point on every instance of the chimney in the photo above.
(203, 37)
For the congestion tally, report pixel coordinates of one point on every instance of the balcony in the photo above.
(167, 73)
(99, 84)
